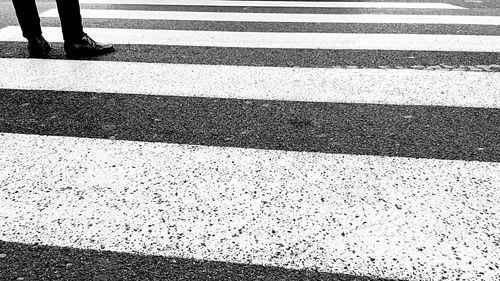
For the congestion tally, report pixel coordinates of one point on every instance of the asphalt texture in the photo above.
(362, 129)
(451, 133)
(44, 263)
(274, 57)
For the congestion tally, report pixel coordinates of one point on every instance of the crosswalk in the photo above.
(357, 139)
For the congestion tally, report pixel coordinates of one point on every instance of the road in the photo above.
(254, 140)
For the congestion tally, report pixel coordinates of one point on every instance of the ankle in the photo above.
(75, 39)
(35, 38)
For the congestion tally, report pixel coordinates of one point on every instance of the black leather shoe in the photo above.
(86, 47)
(38, 47)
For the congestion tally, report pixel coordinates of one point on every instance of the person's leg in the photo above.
(77, 44)
(71, 20)
(27, 15)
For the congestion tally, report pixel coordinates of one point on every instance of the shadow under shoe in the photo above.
(86, 47)
(38, 47)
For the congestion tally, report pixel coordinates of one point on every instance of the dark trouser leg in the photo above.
(71, 20)
(28, 18)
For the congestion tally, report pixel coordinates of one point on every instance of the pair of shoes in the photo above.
(86, 47)
(38, 47)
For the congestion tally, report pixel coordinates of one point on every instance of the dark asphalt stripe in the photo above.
(359, 129)
(44, 263)
(480, 11)
(271, 57)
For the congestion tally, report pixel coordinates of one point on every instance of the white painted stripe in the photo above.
(369, 41)
(293, 4)
(404, 87)
(411, 219)
(279, 17)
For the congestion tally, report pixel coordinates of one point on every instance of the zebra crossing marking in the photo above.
(282, 17)
(315, 209)
(281, 4)
(403, 87)
(286, 40)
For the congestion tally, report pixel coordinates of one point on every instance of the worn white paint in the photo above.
(357, 41)
(396, 86)
(411, 219)
(293, 4)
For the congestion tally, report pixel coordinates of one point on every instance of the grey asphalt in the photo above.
(361, 129)
(274, 57)
(22, 262)
(470, 134)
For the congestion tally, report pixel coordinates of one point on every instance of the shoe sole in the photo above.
(39, 54)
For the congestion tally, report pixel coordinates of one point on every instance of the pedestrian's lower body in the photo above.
(69, 13)
(76, 42)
